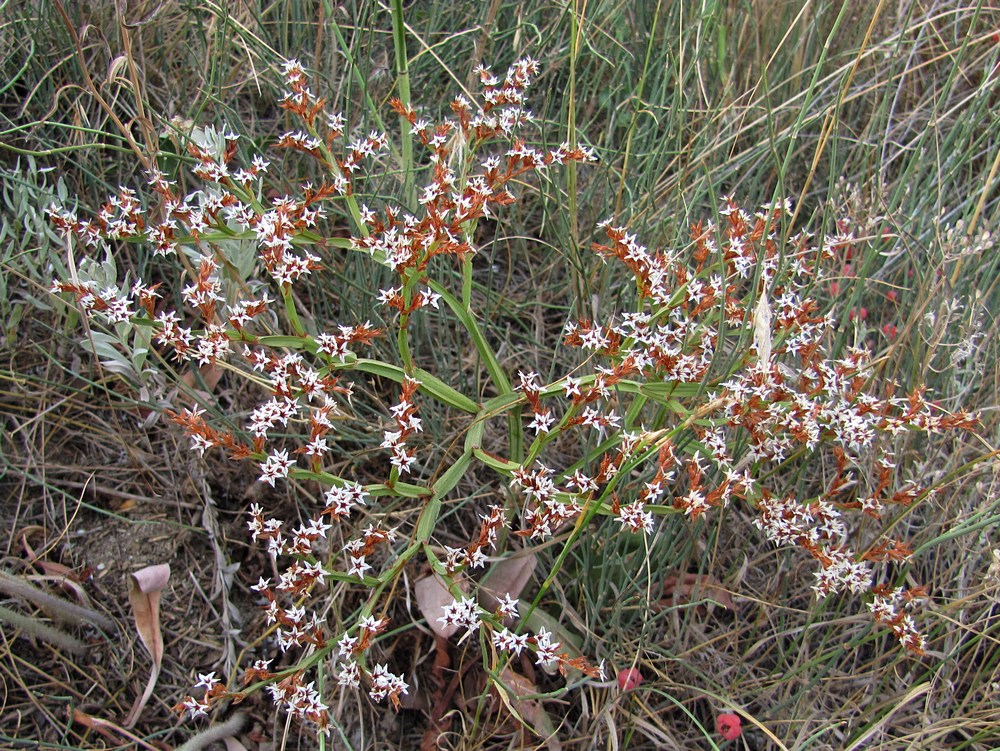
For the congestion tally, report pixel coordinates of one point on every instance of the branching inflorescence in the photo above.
(716, 377)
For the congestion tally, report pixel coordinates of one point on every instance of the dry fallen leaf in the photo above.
(762, 328)
(144, 594)
(530, 711)
(506, 577)
(56, 607)
(432, 596)
(209, 374)
(680, 589)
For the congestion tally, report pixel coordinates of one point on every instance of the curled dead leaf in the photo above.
(144, 595)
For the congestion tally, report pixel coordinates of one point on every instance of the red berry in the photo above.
(629, 678)
(729, 726)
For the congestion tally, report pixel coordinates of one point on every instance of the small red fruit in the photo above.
(629, 678)
(729, 726)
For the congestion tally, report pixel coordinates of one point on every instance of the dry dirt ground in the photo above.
(92, 491)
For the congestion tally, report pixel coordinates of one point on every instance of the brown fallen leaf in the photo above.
(688, 586)
(531, 712)
(439, 718)
(210, 375)
(144, 594)
(506, 577)
(432, 595)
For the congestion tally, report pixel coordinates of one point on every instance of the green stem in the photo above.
(515, 438)
(293, 314)
(467, 282)
(403, 345)
(575, 32)
(345, 49)
(429, 383)
(470, 324)
(403, 336)
(403, 86)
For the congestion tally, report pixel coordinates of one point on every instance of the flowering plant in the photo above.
(700, 396)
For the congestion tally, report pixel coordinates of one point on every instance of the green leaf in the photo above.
(429, 384)
(470, 324)
(662, 392)
(445, 483)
